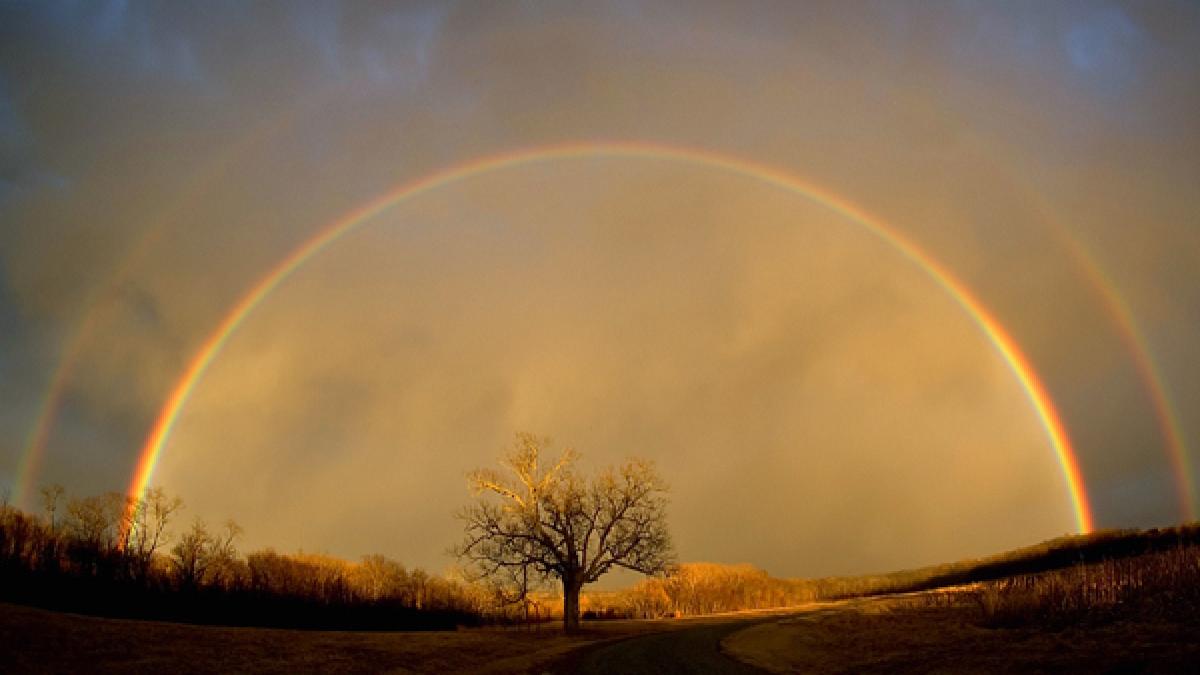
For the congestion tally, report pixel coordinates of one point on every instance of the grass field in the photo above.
(1159, 585)
(898, 636)
(909, 634)
(35, 640)
(1138, 614)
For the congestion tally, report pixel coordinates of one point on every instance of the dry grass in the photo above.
(900, 635)
(35, 640)
(1162, 585)
(1133, 614)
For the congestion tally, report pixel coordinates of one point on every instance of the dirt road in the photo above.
(687, 650)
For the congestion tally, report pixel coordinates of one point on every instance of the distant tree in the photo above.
(122, 511)
(50, 496)
(93, 520)
(377, 578)
(95, 529)
(147, 520)
(418, 583)
(202, 557)
(190, 555)
(554, 524)
(222, 554)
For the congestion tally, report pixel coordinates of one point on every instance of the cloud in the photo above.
(819, 404)
(752, 343)
(1103, 43)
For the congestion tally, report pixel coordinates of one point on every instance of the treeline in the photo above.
(693, 589)
(112, 555)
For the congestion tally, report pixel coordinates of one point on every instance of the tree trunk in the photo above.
(571, 589)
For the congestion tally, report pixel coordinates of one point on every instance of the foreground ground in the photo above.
(35, 640)
(892, 635)
(913, 635)
(692, 650)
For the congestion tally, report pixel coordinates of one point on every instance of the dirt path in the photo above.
(683, 651)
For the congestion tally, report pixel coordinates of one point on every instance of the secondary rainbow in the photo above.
(1134, 340)
(1002, 341)
(29, 465)
(1127, 330)
(1148, 372)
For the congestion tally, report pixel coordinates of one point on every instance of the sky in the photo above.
(818, 399)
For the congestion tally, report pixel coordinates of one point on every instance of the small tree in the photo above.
(146, 527)
(551, 523)
(51, 494)
(222, 564)
(191, 555)
(94, 521)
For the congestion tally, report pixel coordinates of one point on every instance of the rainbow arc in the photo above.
(1002, 341)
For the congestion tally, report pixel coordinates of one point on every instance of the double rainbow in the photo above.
(1135, 342)
(1000, 339)
(1148, 372)
(256, 136)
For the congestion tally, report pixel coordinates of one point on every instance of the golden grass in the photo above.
(1132, 614)
(898, 635)
(36, 640)
(1163, 584)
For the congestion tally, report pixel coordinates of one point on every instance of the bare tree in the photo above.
(190, 555)
(147, 526)
(50, 496)
(95, 520)
(201, 557)
(376, 577)
(223, 554)
(554, 524)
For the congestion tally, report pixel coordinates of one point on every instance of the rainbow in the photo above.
(1130, 334)
(29, 464)
(1148, 372)
(35, 443)
(1001, 340)
(30, 461)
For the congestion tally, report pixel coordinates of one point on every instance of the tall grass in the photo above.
(1157, 585)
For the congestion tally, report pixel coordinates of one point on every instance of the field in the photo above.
(918, 633)
(36, 640)
(901, 636)
(1134, 614)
